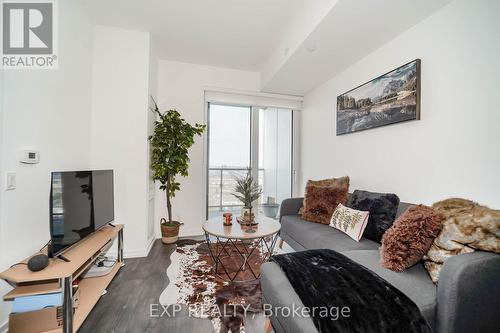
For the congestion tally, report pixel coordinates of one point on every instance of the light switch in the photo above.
(10, 181)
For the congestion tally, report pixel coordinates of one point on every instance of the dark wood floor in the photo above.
(126, 306)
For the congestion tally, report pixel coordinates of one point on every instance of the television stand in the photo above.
(63, 258)
(58, 277)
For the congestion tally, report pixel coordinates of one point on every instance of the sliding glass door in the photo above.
(245, 139)
(275, 154)
(229, 146)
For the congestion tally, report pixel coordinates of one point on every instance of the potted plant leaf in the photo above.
(247, 191)
(172, 138)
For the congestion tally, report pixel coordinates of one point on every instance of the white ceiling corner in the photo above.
(295, 44)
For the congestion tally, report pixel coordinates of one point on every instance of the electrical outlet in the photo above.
(10, 181)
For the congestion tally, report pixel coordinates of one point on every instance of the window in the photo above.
(245, 139)
(275, 154)
(229, 153)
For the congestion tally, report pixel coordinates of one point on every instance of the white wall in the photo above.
(153, 94)
(119, 126)
(47, 110)
(4, 308)
(181, 86)
(453, 150)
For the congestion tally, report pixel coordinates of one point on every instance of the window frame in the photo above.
(254, 146)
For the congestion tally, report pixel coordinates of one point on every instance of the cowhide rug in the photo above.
(194, 284)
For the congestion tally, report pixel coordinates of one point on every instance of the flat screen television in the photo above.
(81, 202)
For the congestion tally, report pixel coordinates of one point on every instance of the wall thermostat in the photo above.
(30, 157)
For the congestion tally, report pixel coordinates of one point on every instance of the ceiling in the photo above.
(295, 44)
(227, 33)
(349, 32)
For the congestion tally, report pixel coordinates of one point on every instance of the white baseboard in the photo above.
(133, 253)
(195, 237)
(151, 241)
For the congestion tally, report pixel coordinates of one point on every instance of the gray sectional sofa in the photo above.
(467, 298)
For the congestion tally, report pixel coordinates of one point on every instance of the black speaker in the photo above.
(38, 262)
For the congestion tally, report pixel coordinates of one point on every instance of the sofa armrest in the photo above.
(468, 293)
(290, 206)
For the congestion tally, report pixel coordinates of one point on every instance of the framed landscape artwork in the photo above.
(390, 98)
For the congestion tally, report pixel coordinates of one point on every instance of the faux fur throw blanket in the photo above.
(467, 227)
(325, 278)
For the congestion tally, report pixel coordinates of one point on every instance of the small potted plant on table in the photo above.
(172, 138)
(247, 191)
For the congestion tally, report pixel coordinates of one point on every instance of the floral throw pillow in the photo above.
(350, 221)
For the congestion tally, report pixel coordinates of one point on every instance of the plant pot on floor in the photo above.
(270, 210)
(169, 231)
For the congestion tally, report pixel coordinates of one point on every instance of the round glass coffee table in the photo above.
(238, 245)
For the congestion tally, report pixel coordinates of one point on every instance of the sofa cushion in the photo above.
(322, 197)
(414, 282)
(338, 182)
(410, 237)
(467, 227)
(319, 236)
(403, 206)
(350, 221)
(277, 291)
(382, 207)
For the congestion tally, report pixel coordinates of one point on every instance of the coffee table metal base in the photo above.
(222, 247)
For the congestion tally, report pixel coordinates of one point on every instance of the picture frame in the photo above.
(390, 98)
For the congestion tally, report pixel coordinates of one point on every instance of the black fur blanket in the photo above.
(325, 278)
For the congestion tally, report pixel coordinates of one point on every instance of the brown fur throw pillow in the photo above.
(340, 182)
(322, 197)
(468, 226)
(410, 237)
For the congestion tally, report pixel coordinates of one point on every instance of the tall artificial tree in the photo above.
(172, 138)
